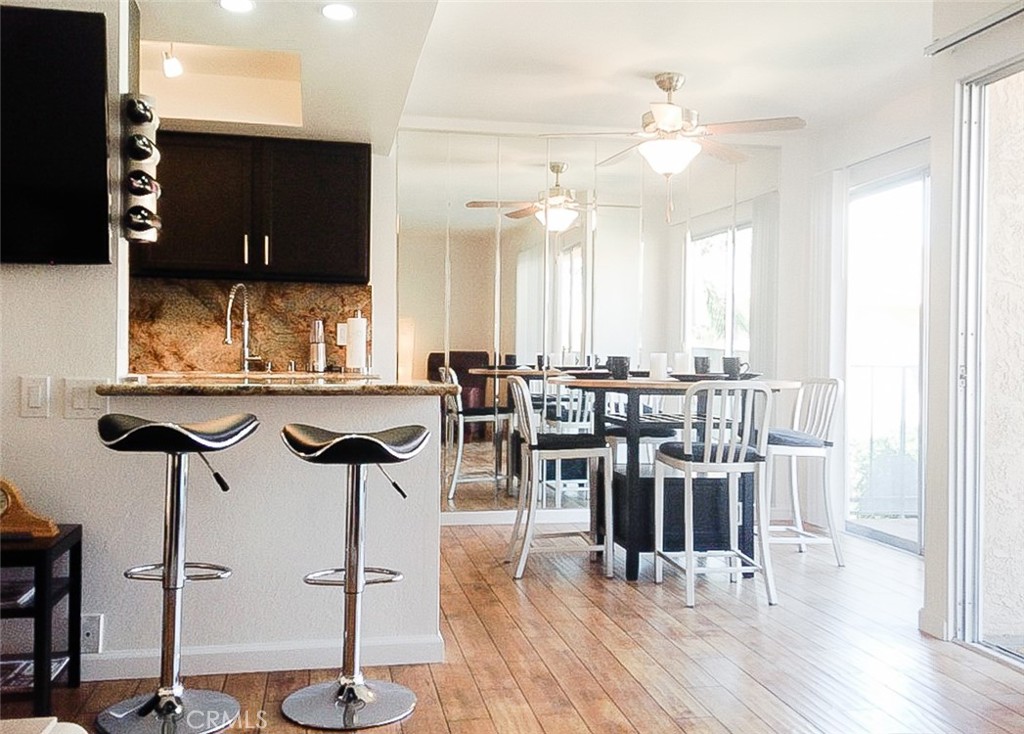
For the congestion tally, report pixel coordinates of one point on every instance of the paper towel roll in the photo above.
(682, 363)
(355, 348)
(659, 365)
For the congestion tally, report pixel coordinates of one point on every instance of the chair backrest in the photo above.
(452, 403)
(725, 419)
(571, 406)
(815, 406)
(526, 421)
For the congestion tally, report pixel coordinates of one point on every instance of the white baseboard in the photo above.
(507, 517)
(214, 659)
(933, 624)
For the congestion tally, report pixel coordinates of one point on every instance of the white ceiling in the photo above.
(355, 76)
(546, 64)
(590, 64)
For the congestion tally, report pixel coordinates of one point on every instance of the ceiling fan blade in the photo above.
(721, 151)
(768, 124)
(526, 211)
(589, 135)
(618, 156)
(495, 204)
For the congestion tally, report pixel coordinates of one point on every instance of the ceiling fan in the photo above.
(556, 208)
(672, 135)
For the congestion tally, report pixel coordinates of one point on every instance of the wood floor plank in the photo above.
(566, 650)
(428, 716)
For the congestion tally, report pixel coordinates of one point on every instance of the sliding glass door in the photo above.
(991, 567)
(886, 245)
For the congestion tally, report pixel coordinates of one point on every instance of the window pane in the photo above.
(884, 263)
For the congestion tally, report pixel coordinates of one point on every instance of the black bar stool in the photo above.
(352, 701)
(172, 708)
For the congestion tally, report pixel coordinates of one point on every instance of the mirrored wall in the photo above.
(479, 270)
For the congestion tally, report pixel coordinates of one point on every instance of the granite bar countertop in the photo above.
(226, 384)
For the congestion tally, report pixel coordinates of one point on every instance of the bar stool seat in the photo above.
(172, 707)
(352, 701)
(320, 446)
(122, 432)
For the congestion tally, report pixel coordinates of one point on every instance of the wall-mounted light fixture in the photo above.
(172, 64)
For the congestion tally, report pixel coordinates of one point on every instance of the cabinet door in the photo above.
(315, 211)
(206, 207)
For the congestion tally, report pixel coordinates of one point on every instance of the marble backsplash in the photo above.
(178, 324)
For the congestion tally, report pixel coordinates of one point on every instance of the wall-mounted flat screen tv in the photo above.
(54, 202)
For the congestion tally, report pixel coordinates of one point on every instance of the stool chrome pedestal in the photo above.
(352, 701)
(172, 709)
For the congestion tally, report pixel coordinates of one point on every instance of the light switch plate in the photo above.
(81, 400)
(35, 397)
(341, 334)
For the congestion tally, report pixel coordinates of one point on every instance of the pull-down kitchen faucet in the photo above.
(246, 357)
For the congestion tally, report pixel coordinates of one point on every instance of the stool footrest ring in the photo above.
(336, 576)
(193, 572)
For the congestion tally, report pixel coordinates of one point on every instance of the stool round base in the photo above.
(204, 712)
(318, 706)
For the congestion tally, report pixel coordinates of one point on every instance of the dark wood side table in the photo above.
(41, 555)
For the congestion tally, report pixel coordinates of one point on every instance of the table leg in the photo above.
(42, 647)
(637, 508)
(75, 615)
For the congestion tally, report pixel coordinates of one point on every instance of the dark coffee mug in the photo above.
(702, 365)
(732, 366)
(618, 367)
(510, 360)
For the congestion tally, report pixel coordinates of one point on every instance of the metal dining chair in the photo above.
(808, 438)
(456, 416)
(726, 440)
(537, 448)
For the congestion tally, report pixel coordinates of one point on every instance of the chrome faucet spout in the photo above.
(246, 357)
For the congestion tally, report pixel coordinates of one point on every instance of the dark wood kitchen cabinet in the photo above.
(260, 209)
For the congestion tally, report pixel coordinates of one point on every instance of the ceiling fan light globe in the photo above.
(667, 117)
(556, 218)
(669, 156)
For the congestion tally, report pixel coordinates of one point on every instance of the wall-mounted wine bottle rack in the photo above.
(140, 156)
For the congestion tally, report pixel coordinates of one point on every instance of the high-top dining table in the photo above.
(634, 502)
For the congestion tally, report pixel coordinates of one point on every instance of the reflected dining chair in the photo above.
(809, 437)
(537, 448)
(456, 416)
(725, 440)
(569, 410)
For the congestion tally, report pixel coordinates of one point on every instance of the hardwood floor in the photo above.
(565, 650)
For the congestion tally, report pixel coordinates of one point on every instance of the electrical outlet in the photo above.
(92, 633)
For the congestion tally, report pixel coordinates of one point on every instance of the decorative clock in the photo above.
(17, 519)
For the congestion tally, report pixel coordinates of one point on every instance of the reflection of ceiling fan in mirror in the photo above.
(556, 208)
(672, 136)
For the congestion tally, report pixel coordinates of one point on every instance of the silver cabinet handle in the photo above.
(245, 249)
(266, 249)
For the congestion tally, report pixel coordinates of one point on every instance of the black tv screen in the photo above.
(54, 205)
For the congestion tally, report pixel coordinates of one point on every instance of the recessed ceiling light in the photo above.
(337, 11)
(237, 6)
